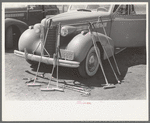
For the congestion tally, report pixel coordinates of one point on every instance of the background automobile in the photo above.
(18, 17)
(63, 8)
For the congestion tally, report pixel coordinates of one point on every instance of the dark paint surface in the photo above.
(30, 14)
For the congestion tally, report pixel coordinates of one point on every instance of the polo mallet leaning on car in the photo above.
(55, 64)
(107, 55)
(43, 40)
(100, 21)
(107, 85)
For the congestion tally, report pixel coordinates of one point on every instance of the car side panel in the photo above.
(129, 31)
(103, 22)
(35, 14)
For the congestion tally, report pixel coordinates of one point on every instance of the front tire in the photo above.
(9, 38)
(89, 66)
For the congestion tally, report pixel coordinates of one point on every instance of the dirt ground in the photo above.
(131, 62)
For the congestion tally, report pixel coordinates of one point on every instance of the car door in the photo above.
(35, 14)
(129, 26)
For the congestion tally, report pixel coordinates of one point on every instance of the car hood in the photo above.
(73, 17)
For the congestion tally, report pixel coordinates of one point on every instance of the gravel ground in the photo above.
(132, 64)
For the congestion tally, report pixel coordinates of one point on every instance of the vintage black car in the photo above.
(19, 16)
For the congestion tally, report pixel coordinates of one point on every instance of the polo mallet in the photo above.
(55, 63)
(78, 89)
(34, 79)
(107, 85)
(50, 80)
(42, 49)
(100, 20)
(108, 58)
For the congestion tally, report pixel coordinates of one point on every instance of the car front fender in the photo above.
(81, 44)
(31, 41)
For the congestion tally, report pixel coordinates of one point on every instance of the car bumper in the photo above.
(47, 60)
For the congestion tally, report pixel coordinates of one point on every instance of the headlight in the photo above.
(64, 31)
(37, 28)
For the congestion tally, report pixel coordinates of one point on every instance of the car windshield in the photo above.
(102, 7)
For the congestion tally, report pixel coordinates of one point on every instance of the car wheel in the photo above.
(9, 38)
(89, 66)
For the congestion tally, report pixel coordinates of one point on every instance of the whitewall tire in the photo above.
(89, 66)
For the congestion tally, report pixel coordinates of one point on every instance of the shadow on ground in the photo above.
(125, 59)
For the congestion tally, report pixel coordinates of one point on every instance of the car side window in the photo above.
(123, 10)
(115, 8)
(139, 9)
(132, 10)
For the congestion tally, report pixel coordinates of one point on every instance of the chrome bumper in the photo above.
(47, 60)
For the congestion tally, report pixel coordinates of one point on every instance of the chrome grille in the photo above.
(51, 40)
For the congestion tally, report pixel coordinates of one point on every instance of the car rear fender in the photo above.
(82, 43)
(22, 26)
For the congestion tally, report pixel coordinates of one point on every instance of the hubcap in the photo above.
(92, 62)
(92, 65)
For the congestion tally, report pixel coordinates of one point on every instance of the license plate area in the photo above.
(66, 54)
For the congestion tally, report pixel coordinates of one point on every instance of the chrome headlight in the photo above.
(37, 28)
(66, 30)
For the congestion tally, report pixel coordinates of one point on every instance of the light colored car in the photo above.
(117, 26)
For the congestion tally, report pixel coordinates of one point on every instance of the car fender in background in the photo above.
(18, 17)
